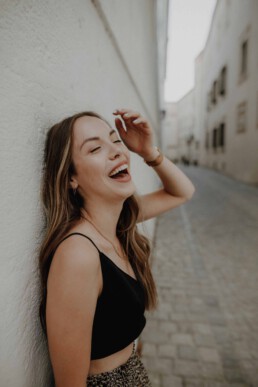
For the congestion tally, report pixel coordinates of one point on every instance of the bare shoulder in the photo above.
(72, 293)
(76, 256)
(77, 253)
(75, 268)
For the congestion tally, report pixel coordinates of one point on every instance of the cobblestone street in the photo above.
(205, 264)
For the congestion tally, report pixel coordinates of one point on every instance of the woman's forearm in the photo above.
(175, 182)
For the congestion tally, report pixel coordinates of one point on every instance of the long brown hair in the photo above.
(62, 211)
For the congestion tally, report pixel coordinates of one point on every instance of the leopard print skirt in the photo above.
(130, 374)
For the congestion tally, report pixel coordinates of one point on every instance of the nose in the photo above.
(114, 151)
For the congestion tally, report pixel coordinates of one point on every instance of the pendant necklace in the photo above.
(96, 228)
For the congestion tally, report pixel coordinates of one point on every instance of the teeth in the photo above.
(118, 169)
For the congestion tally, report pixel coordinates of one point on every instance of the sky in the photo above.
(188, 28)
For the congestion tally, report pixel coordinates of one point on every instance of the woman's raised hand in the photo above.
(135, 132)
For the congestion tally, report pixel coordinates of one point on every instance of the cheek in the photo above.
(90, 180)
(91, 170)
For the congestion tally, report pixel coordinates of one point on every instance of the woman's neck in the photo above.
(104, 217)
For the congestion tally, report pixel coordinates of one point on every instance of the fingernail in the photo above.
(126, 115)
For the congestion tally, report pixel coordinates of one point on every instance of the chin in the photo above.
(128, 192)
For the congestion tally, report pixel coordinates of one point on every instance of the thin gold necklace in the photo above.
(124, 256)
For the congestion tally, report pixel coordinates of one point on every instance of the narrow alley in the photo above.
(205, 264)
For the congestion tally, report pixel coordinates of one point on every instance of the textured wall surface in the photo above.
(233, 22)
(58, 58)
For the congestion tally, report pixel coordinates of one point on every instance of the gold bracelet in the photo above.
(157, 160)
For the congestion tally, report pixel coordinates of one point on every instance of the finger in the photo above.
(128, 123)
(127, 114)
(121, 111)
(120, 127)
(140, 121)
(131, 115)
(130, 119)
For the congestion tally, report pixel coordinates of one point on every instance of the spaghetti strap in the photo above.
(78, 233)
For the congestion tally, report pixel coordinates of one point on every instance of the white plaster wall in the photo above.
(162, 8)
(57, 58)
(137, 30)
(185, 119)
(231, 18)
(199, 105)
(170, 132)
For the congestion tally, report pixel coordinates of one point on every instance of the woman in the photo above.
(94, 264)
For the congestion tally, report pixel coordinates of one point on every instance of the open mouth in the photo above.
(119, 174)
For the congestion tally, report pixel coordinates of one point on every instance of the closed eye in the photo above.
(93, 150)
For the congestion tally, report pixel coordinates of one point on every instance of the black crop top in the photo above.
(119, 316)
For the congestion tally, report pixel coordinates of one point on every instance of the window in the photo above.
(244, 54)
(221, 140)
(214, 92)
(241, 117)
(207, 140)
(208, 102)
(214, 138)
(223, 76)
(244, 48)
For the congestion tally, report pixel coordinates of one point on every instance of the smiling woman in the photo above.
(96, 280)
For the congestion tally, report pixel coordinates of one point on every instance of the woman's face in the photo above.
(97, 151)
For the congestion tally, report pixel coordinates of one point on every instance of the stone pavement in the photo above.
(205, 263)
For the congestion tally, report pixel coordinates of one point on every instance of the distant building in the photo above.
(185, 122)
(169, 136)
(225, 96)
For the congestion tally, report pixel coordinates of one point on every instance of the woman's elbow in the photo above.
(190, 194)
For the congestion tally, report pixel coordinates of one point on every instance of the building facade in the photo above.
(185, 122)
(229, 95)
(169, 132)
(59, 58)
(225, 95)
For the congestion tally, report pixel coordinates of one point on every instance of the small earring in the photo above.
(74, 191)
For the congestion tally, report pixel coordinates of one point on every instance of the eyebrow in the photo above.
(95, 138)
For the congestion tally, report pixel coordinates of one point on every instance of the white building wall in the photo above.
(170, 132)
(162, 40)
(58, 58)
(185, 121)
(138, 32)
(199, 106)
(178, 133)
(233, 21)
